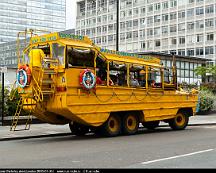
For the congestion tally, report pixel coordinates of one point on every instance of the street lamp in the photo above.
(117, 25)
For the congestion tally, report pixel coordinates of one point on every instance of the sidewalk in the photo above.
(44, 130)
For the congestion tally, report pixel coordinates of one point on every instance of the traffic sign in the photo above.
(3, 69)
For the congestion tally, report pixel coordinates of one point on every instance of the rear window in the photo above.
(80, 57)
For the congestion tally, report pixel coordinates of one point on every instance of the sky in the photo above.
(70, 14)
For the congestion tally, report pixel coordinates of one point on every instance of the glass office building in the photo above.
(18, 15)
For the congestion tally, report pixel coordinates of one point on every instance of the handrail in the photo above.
(37, 90)
(13, 91)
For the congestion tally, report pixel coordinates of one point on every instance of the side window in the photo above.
(58, 52)
(167, 75)
(118, 73)
(101, 70)
(80, 57)
(137, 76)
(154, 77)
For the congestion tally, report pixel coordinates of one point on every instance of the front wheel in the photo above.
(180, 122)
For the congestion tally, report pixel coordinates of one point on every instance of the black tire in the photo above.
(151, 125)
(78, 129)
(130, 124)
(180, 122)
(112, 127)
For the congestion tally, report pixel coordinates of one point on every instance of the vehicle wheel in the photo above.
(112, 127)
(179, 122)
(130, 124)
(78, 129)
(151, 125)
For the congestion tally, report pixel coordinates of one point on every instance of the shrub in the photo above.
(206, 100)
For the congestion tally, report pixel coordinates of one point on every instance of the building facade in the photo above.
(185, 27)
(18, 15)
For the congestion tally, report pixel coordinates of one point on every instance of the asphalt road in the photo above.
(194, 147)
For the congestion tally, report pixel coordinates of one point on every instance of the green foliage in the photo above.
(203, 70)
(207, 99)
(10, 106)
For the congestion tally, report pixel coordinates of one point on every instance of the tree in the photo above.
(201, 70)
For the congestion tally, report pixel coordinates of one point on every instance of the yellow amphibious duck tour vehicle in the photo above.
(66, 79)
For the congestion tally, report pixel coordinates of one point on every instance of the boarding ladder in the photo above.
(43, 88)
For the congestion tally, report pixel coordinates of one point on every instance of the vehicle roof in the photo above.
(84, 41)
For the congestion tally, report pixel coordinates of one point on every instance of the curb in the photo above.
(67, 134)
(36, 136)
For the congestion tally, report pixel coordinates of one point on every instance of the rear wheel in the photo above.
(130, 124)
(179, 122)
(78, 129)
(151, 125)
(112, 127)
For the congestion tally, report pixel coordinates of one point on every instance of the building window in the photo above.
(165, 17)
(172, 16)
(142, 22)
(199, 24)
(181, 40)
(210, 37)
(191, 39)
(135, 23)
(190, 25)
(199, 10)
(181, 27)
(209, 22)
(157, 43)
(199, 51)
(129, 35)
(209, 50)
(135, 11)
(164, 29)
(142, 33)
(181, 14)
(122, 14)
(150, 8)
(129, 24)
(104, 29)
(142, 10)
(157, 31)
(199, 38)
(149, 20)
(173, 28)
(135, 34)
(122, 36)
(191, 1)
(190, 12)
(181, 52)
(165, 5)
(142, 45)
(209, 9)
(157, 18)
(173, 41)
(157, 6)
(190, 52)
(149, 32)
(173, 3)
(122, 25)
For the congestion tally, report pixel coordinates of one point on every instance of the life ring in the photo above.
(87, 79)
(23, 75)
